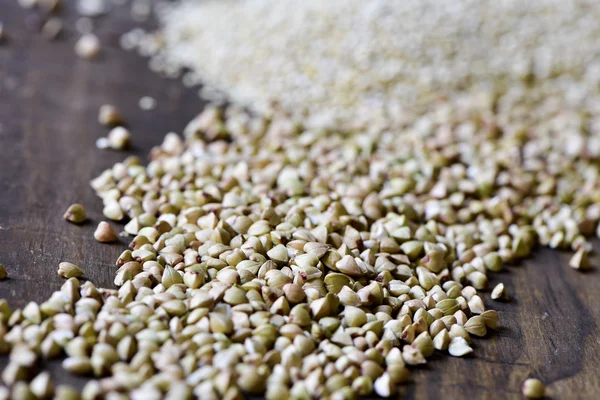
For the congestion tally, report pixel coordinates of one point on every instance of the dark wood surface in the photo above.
(48, 126)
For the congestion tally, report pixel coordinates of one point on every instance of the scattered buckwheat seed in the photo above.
(88, 46)
(102, 143)
(109, 115)
(533, 388)
(580, 260)
(147, 103)
(118, 138)
(104, 233)
(499, 292)
(69, 270)
(75, 214)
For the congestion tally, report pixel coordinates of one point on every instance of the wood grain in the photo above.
(48, 109)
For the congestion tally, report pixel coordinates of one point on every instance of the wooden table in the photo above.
(48, 126)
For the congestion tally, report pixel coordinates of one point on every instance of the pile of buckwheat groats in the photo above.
(342, 62)
(272, 256)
